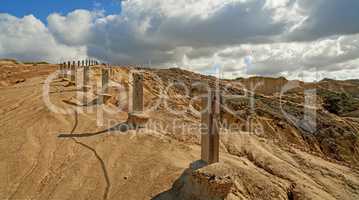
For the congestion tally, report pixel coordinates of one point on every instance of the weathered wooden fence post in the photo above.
(85, 84)
(137, 92)
(73, 72)
(67, 66)
(60, 71)
(136, 116)
(210, 128)
(85, 79)
(111, 73)
(104, 96)
(69, 70)
(104, 80)
(63, 70)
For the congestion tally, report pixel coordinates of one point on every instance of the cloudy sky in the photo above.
(293, 38)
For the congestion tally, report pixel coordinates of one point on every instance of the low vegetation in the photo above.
(339, 103)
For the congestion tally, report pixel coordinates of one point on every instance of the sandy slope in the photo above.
(36, 164)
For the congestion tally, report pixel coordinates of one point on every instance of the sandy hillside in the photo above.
(283, 162)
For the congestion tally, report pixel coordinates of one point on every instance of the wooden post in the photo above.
(111, 73)
(104, 96)
(85, 84)
(69, 70)
(73, 72)
(136, 117)
(83, 63)
(85, 77)
(104, 80)
(64, 70)
(137, 92)
(60, 71)
(210, 128)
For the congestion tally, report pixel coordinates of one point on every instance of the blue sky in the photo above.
(41, 9)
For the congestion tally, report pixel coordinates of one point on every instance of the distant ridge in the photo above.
(14, 61)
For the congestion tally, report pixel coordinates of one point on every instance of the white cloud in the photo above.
(335, 55)
(73, 29)
(326, 18)
(163, 31)
(29, 39)
(175, 8)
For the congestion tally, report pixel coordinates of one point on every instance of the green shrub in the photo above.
(339, 103)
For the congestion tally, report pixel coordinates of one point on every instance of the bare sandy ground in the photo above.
(148, 164)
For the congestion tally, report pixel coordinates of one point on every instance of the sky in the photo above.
(297, 39)
(42, 9)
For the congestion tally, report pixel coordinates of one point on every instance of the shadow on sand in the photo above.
(174, 192)
(102, 163)
(123, 127)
